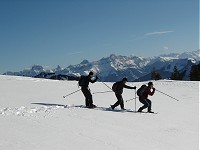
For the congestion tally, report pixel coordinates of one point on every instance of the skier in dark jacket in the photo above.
(84, 83)
(144, 98)
(119, 91)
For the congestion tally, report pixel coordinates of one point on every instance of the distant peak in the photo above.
(85, 62)
(58, 68)
(113, 56)
(36, 67)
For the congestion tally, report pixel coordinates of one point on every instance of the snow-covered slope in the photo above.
(32, 116)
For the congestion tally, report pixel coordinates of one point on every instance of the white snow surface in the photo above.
(33, 117)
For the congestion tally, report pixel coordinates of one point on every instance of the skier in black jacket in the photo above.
(84, 83)
(119, 91)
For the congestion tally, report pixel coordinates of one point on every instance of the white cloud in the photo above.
(165, 48)
(158, 33)
(74, 53)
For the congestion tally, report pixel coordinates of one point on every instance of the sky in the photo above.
(65, 32)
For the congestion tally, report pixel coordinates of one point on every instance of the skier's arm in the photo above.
(151, 92)
(129, 87)
(92, 81)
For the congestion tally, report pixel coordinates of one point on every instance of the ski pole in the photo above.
(167, 95)
(105, 84)
(102, 92)
(130, 99)
(135, 100)
(71, 93)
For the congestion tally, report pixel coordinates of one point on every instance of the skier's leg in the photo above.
(149, 105)
(87, 96)
(143, 101)
(119, 99)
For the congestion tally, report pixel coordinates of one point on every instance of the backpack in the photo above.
(114, 86)
(82, 81)
(141, 90)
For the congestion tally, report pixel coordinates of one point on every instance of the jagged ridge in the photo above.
(115, 67)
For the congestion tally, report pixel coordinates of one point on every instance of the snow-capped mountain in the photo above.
(115, 67)
(33, 71)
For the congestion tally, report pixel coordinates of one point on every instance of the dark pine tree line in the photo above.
(195, 73)
(155, 75)
(177, 75)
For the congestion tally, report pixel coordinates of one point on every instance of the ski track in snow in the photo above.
(47, 110)
(28, 111)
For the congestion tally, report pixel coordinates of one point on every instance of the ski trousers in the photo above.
(88, 96)
(120, 101)
(146, 102)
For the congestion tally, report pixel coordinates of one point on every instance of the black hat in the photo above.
(91, 73)
(124, 79)
(150, 83)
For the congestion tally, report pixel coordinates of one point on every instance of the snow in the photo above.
(32, 116)
(115, 67)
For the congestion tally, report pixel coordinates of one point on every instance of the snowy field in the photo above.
(33, 117)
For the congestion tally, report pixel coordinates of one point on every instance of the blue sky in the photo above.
(64, 32)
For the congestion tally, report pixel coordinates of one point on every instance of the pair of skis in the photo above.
(108, 109)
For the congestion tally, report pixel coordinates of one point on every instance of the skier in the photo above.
(118, 93)
(84, 83)
(144, 98)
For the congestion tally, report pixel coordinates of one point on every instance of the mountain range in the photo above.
(115, 67)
